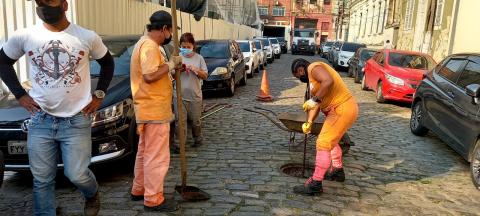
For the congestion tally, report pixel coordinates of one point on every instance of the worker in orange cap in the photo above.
(330, 95)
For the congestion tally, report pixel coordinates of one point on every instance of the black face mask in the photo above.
(304, 78)
(50, 15)
(167, 40)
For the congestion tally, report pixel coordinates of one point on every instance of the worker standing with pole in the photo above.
(152, 98)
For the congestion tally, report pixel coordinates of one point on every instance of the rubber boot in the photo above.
(310, 188)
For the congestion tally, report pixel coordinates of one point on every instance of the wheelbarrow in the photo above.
(292, 123)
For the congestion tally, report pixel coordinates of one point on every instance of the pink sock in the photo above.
(337, 157)
(322, 163)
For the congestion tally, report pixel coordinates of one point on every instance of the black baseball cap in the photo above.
(159, 19)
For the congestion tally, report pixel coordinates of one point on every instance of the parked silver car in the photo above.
(261, 53)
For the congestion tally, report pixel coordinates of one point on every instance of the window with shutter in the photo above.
(439, 13)
(263, 10)
(409, 15)
(278, 11)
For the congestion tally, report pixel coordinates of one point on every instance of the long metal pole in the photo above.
(178, 84)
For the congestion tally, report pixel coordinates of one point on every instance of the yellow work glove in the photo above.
(307, 127)
(309, 105)
(175, 62)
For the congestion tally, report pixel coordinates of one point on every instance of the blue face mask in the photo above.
(186, 52)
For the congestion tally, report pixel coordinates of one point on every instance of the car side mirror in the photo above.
(473, 90)
(264, 48)
(254, 49)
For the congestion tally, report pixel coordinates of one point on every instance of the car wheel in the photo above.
(416, 120)
(475, 165)
(380, 98)
(251, 72)
(2, 168)
(364, 83)
(243, 82)
(231, 89)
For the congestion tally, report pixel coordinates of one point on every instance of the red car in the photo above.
(395, 74)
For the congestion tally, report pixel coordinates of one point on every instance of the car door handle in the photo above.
(451, 94)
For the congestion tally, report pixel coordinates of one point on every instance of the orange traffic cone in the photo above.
(264, 93)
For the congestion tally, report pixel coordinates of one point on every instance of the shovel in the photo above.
(188, 193)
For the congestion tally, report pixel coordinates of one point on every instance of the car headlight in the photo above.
(247, 59)
(111, 113)
(220, 71)
(394, 80)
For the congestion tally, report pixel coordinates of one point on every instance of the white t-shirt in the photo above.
(59, 65)
(388, 46)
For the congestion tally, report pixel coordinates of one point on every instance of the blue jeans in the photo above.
(47, 135)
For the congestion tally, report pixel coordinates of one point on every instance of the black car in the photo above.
(447, 103)
(225, 63)
(283, 44)
(113, 126)
(357, 62)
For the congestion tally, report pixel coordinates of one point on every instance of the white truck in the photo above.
(304, 41)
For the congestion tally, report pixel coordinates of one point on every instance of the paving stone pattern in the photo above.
(389, 171)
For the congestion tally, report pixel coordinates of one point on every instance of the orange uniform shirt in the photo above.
(337, 94)
(152, 102)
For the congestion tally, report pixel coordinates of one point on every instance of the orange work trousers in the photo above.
(152, 162)
(338, 120)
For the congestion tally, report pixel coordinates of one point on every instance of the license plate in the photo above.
(17, 147)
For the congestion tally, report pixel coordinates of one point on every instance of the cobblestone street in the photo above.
(389, 171)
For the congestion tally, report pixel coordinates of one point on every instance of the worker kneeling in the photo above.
(329, 94)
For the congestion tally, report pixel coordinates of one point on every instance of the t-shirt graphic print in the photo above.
(56, 65)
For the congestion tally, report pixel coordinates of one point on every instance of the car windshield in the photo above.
(273, 41)
(121, 52)
(265, 42)
(281, 39)
(366, 54)
(258, 44)
(349, 47)
(411, 61)
(212, 49)
(244, 46)
(308, 34)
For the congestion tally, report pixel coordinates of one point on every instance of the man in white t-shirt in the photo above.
(60, 100)
(388, 45)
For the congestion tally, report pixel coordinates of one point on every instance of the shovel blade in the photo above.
(192, 194)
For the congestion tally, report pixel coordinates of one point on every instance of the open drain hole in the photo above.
(296, 170)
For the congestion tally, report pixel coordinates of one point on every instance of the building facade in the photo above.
(436, 27)
(367, 22)
(299, 14)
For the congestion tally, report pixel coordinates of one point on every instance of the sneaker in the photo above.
(310, 188)
(92, 205)
(168, 205)
(336, 174)
(136, 198)
(197, 144)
